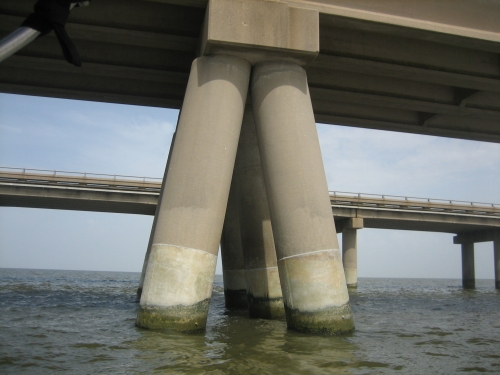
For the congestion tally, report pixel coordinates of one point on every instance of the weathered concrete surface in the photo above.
(309, 262)
(259, 31)
(259, 254)
(315, 293)
(235, 290)
(496, 252)
(350, 257)
(177, 288)
(153, 227)
(468, 270)
(444, 82)
(181, 269)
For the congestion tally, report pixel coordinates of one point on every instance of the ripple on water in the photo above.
(83, 322)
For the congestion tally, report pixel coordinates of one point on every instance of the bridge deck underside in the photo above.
(367, 74)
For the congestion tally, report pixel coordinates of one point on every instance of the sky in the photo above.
(70, 135)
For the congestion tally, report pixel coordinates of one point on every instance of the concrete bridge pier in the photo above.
(155, 220)
(309, 261)
(350, 251)
(467, 241)
(235, 290)
(468, 270)
(264, 295)
(496, 253)
(350, 257)
(181, 267)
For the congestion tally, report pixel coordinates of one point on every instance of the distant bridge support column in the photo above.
(310, 266)
(181, 268)
(468, 271)
(233, 268)
(264, 294)
(350, 251)
(496, 251)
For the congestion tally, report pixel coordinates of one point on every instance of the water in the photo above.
(83, 323)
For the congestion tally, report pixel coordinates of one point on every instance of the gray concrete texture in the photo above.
(155, 221)
(311, 273)
(235, 289)
(468, 269)
(261, 271)
(350, 257)
(278, 30)
(496, 257)
(445, 81)
(181, 270)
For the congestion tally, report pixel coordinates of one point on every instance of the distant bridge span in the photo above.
(472, 222)
(139, 195)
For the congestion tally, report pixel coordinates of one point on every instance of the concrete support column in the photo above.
(468, 272)
(261, 270)
(235, 290)
(153, 227)
(350, 257)
(309, 261)
(181, 267)
(496, 253)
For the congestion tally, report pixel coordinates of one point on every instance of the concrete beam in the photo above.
(68, 198)
(453, 18)
(401, 219)
(477, 236)
(258, 30)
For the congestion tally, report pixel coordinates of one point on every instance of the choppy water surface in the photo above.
(83, 323)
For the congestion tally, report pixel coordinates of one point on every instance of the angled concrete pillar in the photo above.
(153, 227)
(181, 267)
(350, 257)
(309, 260)
(468, 272)
(496, 252)
(233, 268)
(261, 270)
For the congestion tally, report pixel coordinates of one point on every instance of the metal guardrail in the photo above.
(413, 203)
(153, 184)
(84, 174)
(80, 179)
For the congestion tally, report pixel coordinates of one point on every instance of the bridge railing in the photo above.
(153, 184)
(94, 180)
(413, 203)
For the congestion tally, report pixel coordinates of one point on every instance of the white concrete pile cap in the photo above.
(259, 30)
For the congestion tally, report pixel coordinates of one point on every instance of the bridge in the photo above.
(471, 221)
(414, 66)
(80, 191)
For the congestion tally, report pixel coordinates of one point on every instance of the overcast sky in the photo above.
(82, 136)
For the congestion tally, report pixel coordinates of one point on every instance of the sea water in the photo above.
(80, 322)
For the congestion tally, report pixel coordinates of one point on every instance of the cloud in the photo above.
(132, 140)
(85, 136)
(371, 161)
